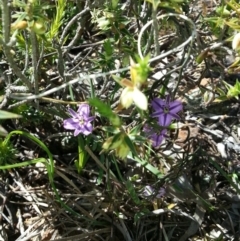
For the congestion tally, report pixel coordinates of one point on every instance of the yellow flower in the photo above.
(131, 92)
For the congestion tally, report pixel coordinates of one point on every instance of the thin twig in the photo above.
(35, 56)
(70, 23)
(6, 38)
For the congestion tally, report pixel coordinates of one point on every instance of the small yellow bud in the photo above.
(39, 27)
(19, 25)
(12, 52)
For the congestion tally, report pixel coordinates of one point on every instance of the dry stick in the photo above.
(71, 82)
(194, 226)
(60, 64)
(149, 42)
(70, 23)
(26, 64)
(76, 37)
(178, 48)
(96, 75)
(89, 151)
(6, 43)
(17, 104)
(35, 57)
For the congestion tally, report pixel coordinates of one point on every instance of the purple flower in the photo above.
(80, 121)
(166, 110)
(150, 191)
(155, 137)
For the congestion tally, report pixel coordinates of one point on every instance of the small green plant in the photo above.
(7, 152)
(111, 21)
(232, 92)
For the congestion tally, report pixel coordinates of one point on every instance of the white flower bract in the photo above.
(236, 42)
(126, 98)
(130, 95)
(140, 99)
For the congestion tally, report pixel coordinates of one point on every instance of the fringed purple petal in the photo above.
(84, 110)
(70, 124)
(87, 129)
(77, 132)
(73, 113)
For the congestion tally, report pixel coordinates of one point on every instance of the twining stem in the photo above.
(155, 31)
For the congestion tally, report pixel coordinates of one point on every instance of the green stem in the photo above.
(23, 164)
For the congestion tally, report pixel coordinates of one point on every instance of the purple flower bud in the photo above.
(149, 191)
(155, 137)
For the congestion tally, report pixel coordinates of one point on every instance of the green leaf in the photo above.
(202, 56)
(234, 91)
(82, 155)
(115, 120)
(114, 3)
(135, 130)
(132, 192)
(155, 3)
(116, 141)
(102, 108)
(110, 129)
(221, 98)
(221, 92)
(105, 110)
(223, 11)
(147, 165)
(108, 48)
(3, 132)
(130, 145)
(8, 115)
(58, 19)
(141, 214)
